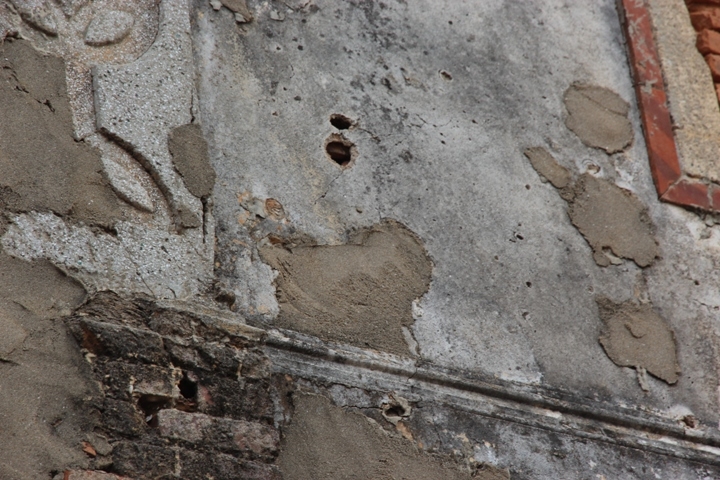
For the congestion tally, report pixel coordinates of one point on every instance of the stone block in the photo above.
(143, 461)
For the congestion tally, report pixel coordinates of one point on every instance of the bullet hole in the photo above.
(340, 150)
(150, 405)
(395, 411)
(446, 75)
(527, 187)
(529, 284)
(300, 47)
(697, 282)
(297, 98)
(341, 122)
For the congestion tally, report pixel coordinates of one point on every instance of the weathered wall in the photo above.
(316, 239)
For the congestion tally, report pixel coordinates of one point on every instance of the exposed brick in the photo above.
(88, 475)
(708, 41)
(197, 466)
(219, 358)
(713, 62)
(705, 18)
(143, 461)
(237, 436)
(120, 342)
(688, 193)
(654, 112)
(122, 417)
(244, 398)
(118, 377)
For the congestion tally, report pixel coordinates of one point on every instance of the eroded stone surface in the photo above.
(636, 336)
(137, 258)
(359, 293)
(108, 27)
(599, 117)
(325, 442)
(138, 104)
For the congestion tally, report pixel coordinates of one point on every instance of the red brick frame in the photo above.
(671, 184)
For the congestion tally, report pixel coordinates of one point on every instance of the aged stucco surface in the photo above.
(428, 223)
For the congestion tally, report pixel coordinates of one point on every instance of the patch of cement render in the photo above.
(190, 155)
(613, 220)
(610, 217)
(41, 166)
(544, 163)
(636, 336)
(138, 105)
(326, 442)
(44, 380)
(599, 117)
(359, 293)
(691, 93)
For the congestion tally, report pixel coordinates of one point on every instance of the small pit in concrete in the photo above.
(341, 122)
(340, 150)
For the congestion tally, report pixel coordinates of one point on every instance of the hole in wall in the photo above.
(341, 122)
(188, 388)
(340, 150)
(150, 405)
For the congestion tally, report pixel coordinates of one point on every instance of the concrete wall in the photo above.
(321, 240)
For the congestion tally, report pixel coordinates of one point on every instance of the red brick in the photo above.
(715, 196)
(89, 475)
(701, 3)
(253, 438)
(688, 193)
(708, 41)
(705, 18)
(654, 113)
(713, 62)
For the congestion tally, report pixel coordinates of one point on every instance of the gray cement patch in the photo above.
(359, 293)
(43, 377)
(325, 442)
(610, 217)
(41, 166)
(190, 156)
(599, 117)
(544, 163)
(636, 336)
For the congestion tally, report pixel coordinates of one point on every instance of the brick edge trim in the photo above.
(671, 184)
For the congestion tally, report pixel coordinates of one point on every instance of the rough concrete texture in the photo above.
(359, 293)
(610, 217)
(599, 117)
(636, 336)
(348, 445)
(108, 27)
(691, 92)
(41, 166)
(190, 155)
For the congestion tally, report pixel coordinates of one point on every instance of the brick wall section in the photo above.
(705, 18)
(182, 396)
